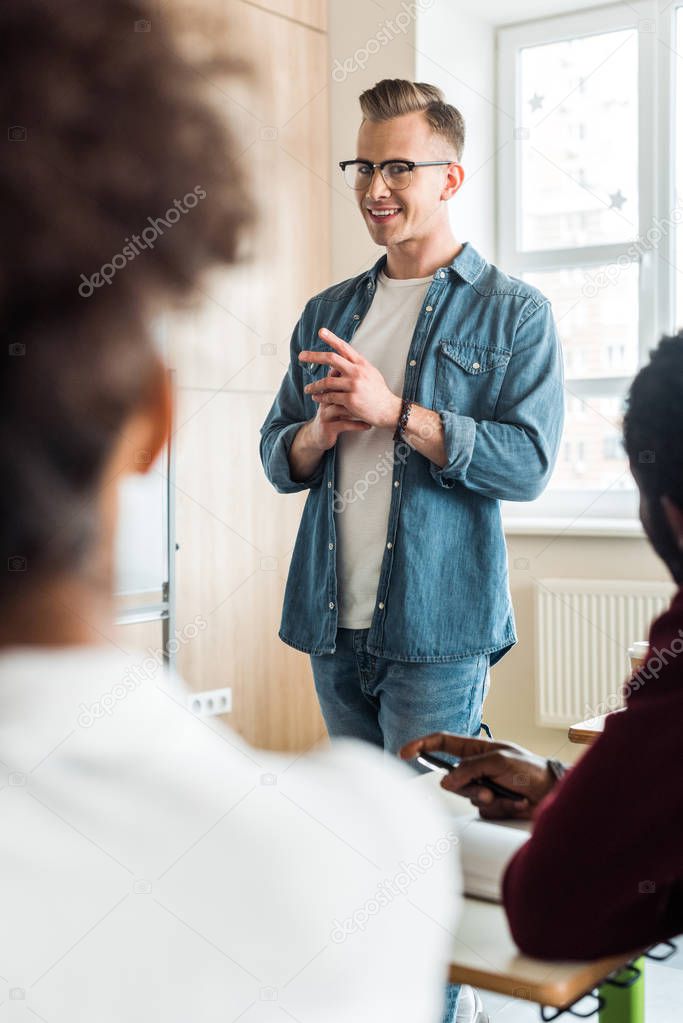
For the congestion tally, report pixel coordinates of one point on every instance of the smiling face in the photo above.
(416, 212)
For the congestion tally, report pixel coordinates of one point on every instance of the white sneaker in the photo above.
(470, 1006)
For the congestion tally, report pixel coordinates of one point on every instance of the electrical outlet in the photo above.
(210, 702)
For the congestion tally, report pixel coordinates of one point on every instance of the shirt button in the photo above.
(475, 365)
(380, 606)
(329, 485)
(441, 273)
(331, 546)
(331, 606)
(356, 316)
(413, 362)
(429, 308)
(389, 546)
(395, 483)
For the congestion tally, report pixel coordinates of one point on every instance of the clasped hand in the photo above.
(352, 382)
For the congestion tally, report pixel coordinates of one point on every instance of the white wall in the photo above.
(456, 51)
(503, 12)
(446, 45)
(367, 43)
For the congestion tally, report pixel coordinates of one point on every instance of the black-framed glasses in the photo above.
(397, 174)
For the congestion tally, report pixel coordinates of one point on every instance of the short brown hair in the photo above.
(394, 97)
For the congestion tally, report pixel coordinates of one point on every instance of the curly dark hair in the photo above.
(120, 184)
(653, 423)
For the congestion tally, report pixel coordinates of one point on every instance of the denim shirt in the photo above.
(484, 355)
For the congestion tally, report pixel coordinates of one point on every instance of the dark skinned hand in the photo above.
(510, 765)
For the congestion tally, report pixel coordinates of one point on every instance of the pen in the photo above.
(435, 763)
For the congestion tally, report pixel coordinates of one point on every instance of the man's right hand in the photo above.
(510, 765)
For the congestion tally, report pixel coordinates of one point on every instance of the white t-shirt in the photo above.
(154, 867)
(364, 462)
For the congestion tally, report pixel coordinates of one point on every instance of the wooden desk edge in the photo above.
(582, 736)
(586, 732)
(558, 994)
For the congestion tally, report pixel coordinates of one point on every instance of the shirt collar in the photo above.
(468, 265)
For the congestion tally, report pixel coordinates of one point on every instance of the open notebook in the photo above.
(485, 850)
(486, 847)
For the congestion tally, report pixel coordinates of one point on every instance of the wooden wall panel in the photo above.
(231, 351)
(240, 337)
(144, 637)
(311, 12)
(232, 569)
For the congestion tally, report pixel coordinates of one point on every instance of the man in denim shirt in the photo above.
(398, 586)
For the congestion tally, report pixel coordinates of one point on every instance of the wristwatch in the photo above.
(557, 768)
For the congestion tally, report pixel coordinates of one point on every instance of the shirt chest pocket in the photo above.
(469, 376)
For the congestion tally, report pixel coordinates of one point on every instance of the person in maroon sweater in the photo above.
(602, 872)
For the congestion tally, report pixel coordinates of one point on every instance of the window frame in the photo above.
(592, 511)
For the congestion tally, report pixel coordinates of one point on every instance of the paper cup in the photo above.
(637, 653)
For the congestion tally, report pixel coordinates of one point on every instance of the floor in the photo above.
(663, 997)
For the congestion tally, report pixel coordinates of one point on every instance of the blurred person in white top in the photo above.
(153, 867)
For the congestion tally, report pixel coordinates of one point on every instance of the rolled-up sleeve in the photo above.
(511, 458)
(286, 416)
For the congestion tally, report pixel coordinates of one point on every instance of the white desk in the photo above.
(586, 732)
(485, 955)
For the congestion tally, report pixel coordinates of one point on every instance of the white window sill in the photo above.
(614, 528)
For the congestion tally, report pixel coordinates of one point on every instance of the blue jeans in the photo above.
(389, 702)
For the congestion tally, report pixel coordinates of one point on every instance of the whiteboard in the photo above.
(141, 564)
(143, 543)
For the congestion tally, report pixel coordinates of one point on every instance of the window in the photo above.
(587, 215)
(611, 448)
(577, 95)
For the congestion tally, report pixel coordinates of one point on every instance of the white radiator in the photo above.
(584, 628)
